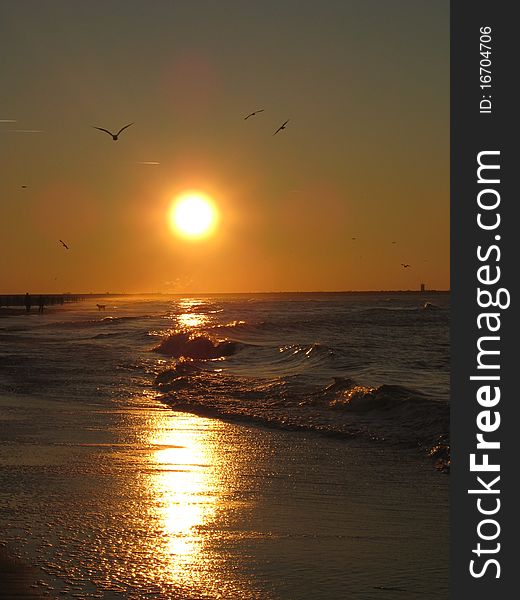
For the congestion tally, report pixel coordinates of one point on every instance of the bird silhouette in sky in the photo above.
(405, 265)
(253, 113)
(23, 187)
(281, 127)
(394, 242)
(64, 245)
(114, 135)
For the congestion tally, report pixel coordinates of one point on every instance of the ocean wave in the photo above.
(430, 306)
(388, 414)
(176, 376)
(230, 326)
(388, 310)
(103, 322)
(185, 345)
(297, 356)
(241, 328)
(124, 318)
(376, 309)
(101, 336)
(345, 394)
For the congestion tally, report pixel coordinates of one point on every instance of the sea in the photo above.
(146, 443)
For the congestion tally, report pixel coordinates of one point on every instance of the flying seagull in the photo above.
(281, 127)
(405, 266)
(253, 114)
(114, 135)
(64, 245)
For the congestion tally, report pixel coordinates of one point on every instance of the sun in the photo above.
(193, 215)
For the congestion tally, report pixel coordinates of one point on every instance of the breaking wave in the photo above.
(387, 413)
(184, 345)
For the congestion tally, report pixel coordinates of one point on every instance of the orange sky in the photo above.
(365, 154)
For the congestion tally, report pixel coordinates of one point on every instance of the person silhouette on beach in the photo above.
(41, 304)
(27, 302)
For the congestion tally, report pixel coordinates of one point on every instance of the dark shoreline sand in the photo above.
(11, 312)
(20, 311)
(17, 579)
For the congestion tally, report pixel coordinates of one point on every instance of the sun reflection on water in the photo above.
(192, 315)
(184, 482)
(191, 320)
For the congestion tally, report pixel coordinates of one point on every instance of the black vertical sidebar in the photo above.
(474, 131)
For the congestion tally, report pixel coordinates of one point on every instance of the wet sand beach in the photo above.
(6, 311)
(137, 501)
(18, 580)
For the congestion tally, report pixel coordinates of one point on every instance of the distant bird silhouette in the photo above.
(405, 266)
(354, 238)
(64, 244)
(24, 186)
(253, 113)
(114, 135)
(281, 127)
(394, 242)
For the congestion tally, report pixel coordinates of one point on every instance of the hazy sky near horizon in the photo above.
(365, 155)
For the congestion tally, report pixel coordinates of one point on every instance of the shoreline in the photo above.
(6, 312)
(18, 579)
(437, 456)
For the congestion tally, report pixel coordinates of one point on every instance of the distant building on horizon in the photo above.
(423, 287)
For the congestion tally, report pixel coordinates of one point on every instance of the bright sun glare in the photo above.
(193, 215)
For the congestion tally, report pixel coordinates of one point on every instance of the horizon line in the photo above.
(178, 293)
